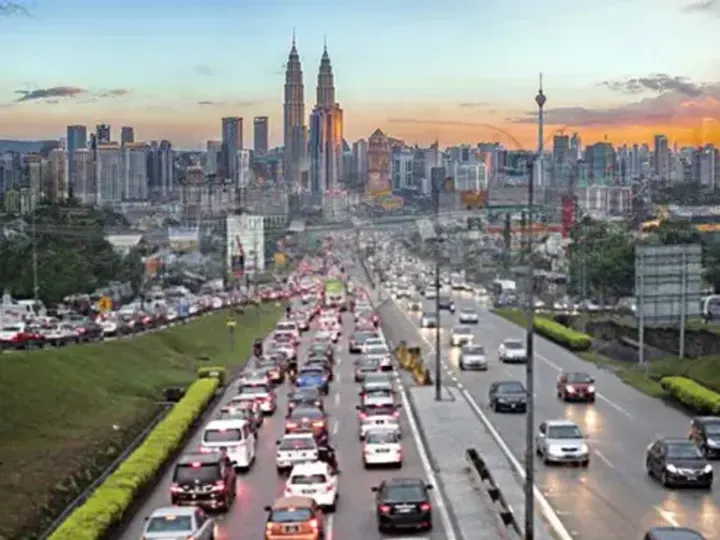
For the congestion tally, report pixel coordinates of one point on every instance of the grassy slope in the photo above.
(62, 407)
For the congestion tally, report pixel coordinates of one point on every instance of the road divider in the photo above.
(411, 360)
(108, 504)
(549, 329)
(484, 479)
(213, 372)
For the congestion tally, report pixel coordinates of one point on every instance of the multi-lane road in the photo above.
(354, 518)
(614, 497)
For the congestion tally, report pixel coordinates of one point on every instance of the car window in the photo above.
(510, 388)
(300, 443)
(197, 472)
(712, 429)
(305, 412)
(408, 492)
(308, 479)
(170, 524)
(578, 378)
(474, 350)
(513, 345)
(290, 515)
(564, 432)
(683, 451)
(222, 435)
(381, 437)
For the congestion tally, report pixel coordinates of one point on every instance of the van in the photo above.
(233, 436)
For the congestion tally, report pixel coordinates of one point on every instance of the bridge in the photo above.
(388, 222)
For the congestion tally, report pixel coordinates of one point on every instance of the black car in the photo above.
(508, 396)
(705, 432)
(672, 533)
(403, 503)
(272, 368)
(205, 479)
(678, 462)
(447, 304)
(305, 397)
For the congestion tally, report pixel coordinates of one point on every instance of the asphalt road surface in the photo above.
(354, 518)
(614, 497)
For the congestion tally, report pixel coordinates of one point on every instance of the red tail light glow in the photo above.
(425, 507)
(314, 525)
(291, 425)
(321, 423)
(384, 509)
(363, 415)
(219, 485)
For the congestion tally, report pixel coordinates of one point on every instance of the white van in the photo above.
(235, 436)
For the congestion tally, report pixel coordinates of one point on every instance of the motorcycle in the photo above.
(292, 375)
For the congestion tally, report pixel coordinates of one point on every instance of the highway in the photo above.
(355, 515)
(614, 497)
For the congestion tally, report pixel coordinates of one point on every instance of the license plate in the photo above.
(291, 529)
(691, 477)
(308, 491)
(382, 450)
(379, 422)
(404, 510)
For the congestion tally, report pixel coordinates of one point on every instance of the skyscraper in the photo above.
(76, 139)
(294, 130)
(232, 141)
(260, 135)
(102, 133)
(127, 135)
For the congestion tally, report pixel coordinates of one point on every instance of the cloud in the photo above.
(657, 83)
(705, 6)
(13, 8)
(206, 102)
(677, 99)
(474, 105)
(210, 103)
(204, 70)
(115, 92)
(53, 92)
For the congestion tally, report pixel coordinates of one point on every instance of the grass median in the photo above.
(67, 413)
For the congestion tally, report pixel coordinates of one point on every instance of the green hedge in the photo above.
(108, 504)
(694, 396)
(554, 331)
(217, 372)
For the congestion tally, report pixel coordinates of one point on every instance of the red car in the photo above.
(576, 386)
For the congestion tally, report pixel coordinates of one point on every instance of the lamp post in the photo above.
(436, 204)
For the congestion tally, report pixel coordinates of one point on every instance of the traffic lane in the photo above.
(616, 483)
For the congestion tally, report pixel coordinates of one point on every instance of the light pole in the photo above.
(436, 203)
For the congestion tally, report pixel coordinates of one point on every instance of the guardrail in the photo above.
(483, 477)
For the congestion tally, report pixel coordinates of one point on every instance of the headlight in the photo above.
(569, 388)
(591, 389)
(584, 449)
(708, 469)
(672, 468)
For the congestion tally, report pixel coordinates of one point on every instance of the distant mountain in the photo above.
(24, 147)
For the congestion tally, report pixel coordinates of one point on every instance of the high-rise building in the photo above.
(261, 135)
(102, 134)
(294, 129)
(76, 139)
(213, 156)
(661, 157)
(358, 173)
(135, 171)
(57, 184)
(232, 141)
(242, 166)
(161, 169)
(378, 164)
(402, 169)
(85, 189)
(108, 170)
(127, 135)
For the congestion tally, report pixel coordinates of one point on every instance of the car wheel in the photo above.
(462, 366)
(586, 463)
(664, 480)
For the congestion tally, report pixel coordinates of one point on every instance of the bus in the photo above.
(336, 294)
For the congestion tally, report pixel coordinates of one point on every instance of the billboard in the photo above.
(473, 200)
(245, 245)
(184, 239)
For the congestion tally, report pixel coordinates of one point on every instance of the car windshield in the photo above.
(376, 378)
(579, 378)
(564, 432)
(368, 363)
(377, 349)
(377, 392)
(297, 443)
(222, 435)
(476, 349)
(170, 524)
(405, 493)
(511, 388)
(462, 330)
(253, 390)
(307, 479)
(306, 412)
(290, 515)
(312, 372)
(713, 429)
(305, 393)
(515, 345)
(381, 437)
(196, 472)
(683, 450)
(468, 313)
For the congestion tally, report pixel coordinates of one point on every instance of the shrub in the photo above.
(694, 396)
(554, 331)
(108, 504)
(217, 372)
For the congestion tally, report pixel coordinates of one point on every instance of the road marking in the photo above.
(335, 428)
(329, 526)
(604, 459)
(667, 516)
(423, 455)
(337, 399)
(338, 377)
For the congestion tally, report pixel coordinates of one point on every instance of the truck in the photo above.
(336, 294)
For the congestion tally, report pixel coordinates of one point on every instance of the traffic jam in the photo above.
(287, 386)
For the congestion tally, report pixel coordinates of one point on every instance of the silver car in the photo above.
(461, 335)
(468, 317)
(175, 522)
(561, 441)
(473, 357)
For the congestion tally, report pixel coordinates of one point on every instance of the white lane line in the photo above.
(668, 516)
(604, 459)
(423, 454)
(337, 399)
(335, 428)
(329, 525)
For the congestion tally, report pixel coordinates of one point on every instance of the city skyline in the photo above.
(465, 94)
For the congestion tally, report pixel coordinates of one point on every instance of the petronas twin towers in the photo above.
(320, 154)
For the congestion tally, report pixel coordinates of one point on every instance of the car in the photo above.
(428, 320)
(302, 320)
(283, 338)
(468, 316)
(509, 396)
(446, 304)
(382, 447)
(314, 480)
(314, 377)
(272, 367)
(705, 433)
(379, 351)
(403, 503)
(243, 410)
(322, 347)
(461, 335)
(178, 522)
(678, 462)
(672, 533)
(305, 397)
(330, 328)
(378, 417)
(377, 397)
(415, 304)
(205, 479)
(363, 366)
(357, 341)
(561, 441)
(512, 350)
(295, 448)
(294, 517)
(307, 420)
(372, 384)
(289, 326)
(576, 386)
(257, 377)
(234, 437)
(472, 357)
(264, 396)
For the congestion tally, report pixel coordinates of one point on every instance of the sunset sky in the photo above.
(458, 70)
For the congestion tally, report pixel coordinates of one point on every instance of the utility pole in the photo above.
(436, 202)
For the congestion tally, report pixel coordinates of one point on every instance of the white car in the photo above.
(235, 436)
(512, 350)
(468, 317)
(382, 447)
(262, 395)
(295, 448)
(331, 327)
(376, 421)
(430, 293)
(287, 349)
(254, 378)
(561, 441)
(461, 335)
(381, 353)
(377, 397)
(178, 522)
(314, 480)
(429, 320)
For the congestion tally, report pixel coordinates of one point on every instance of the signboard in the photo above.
(668, 283)
(472, 200)
(279, 258)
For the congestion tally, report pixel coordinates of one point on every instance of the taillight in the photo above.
(290, 425)
(219, 486)
(175, 488)
(318, 424)
(363, 415)
(396, 414)
(425, 507)
(314, 525)
(384, 509)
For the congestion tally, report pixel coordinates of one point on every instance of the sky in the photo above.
(459, 71)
